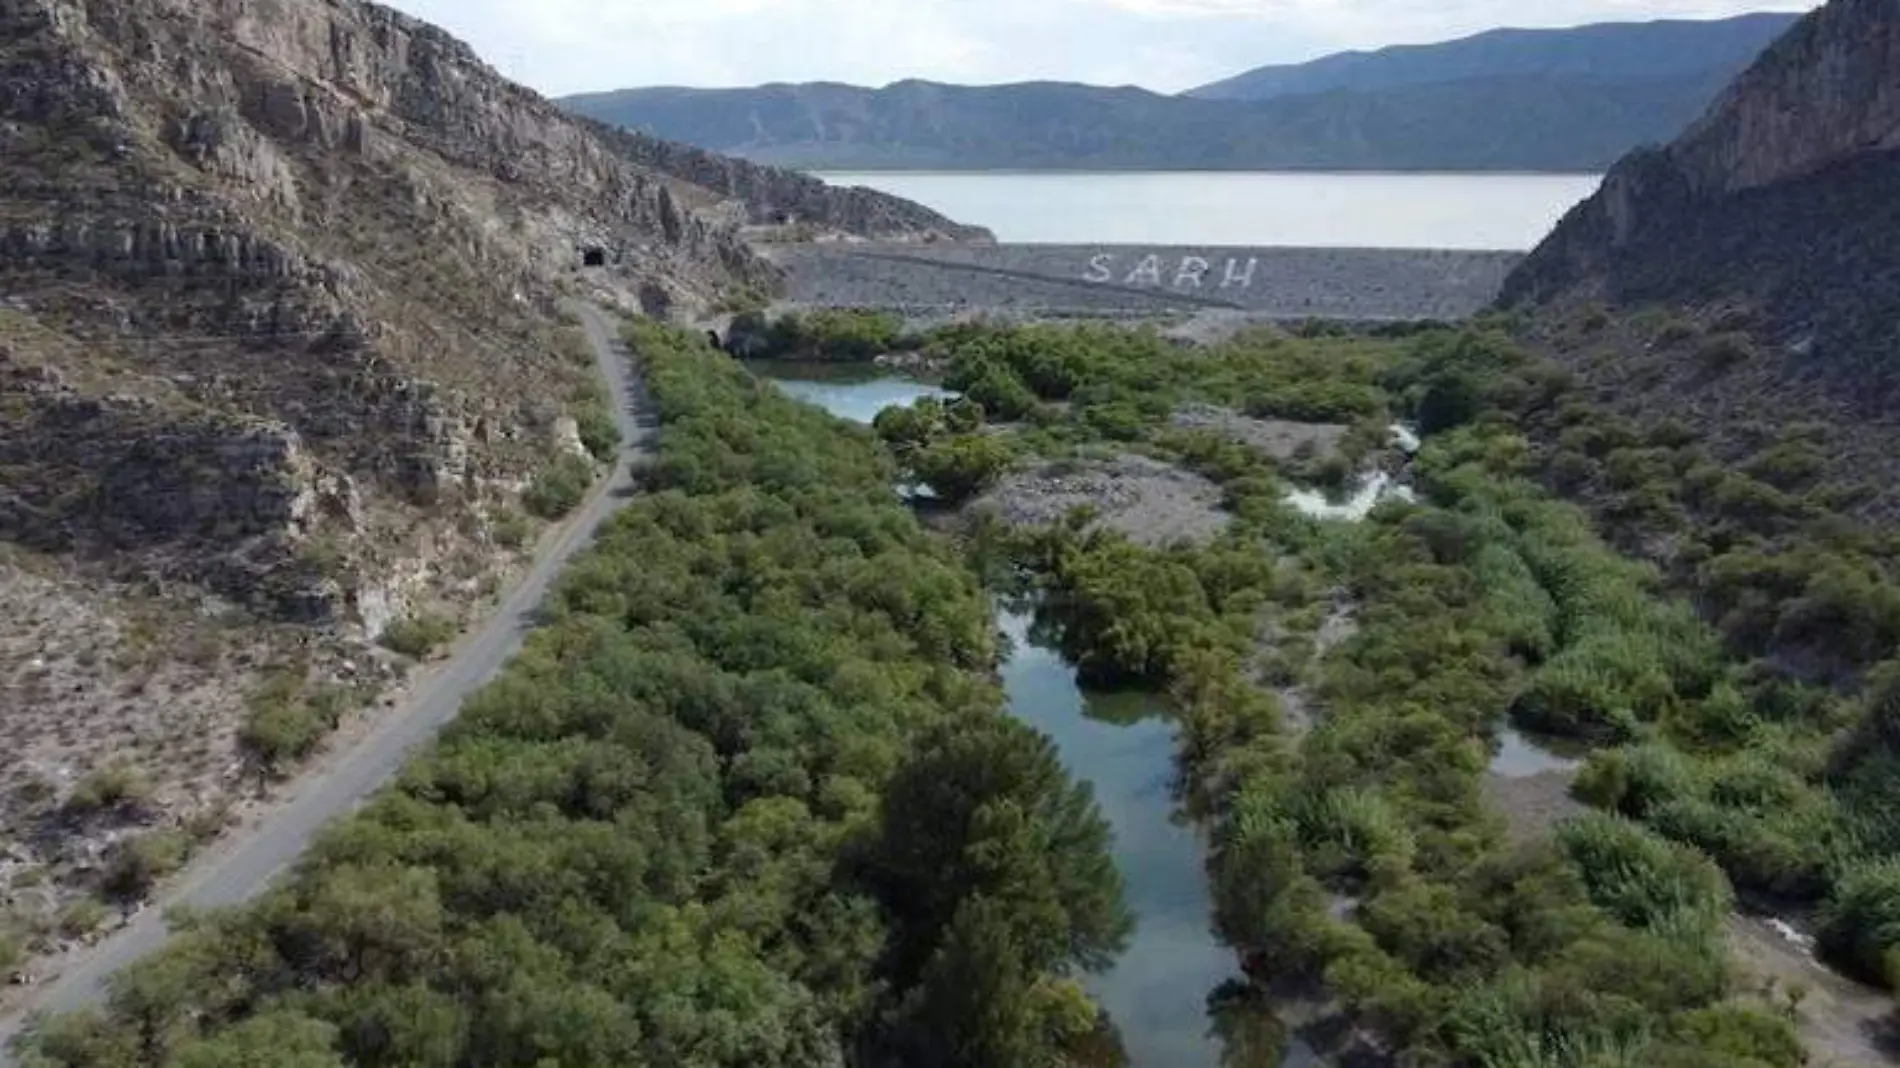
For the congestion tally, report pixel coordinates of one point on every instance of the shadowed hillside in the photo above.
(1771, 220)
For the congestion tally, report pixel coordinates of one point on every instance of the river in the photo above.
(1124, 746)
(1442, 211)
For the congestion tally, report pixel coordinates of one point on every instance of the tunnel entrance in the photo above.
(593, 256)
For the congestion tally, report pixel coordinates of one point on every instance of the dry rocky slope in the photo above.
(1774, 215)
(279, 354)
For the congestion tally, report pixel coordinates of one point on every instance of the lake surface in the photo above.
(1124, 746)
(1445, 211)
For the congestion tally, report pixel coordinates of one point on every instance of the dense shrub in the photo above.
(958, 468)
(419, 636)
(746, 799)
(116, 786)
(1643, 880)
(559, 488)
(1860, 923)
(1725, 352)
(594, 416)
(826, 334)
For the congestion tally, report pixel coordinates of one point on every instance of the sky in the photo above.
(568, 46)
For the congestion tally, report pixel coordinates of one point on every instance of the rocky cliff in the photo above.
(314, 222)
(279, 355)
(1773, 216)
(773, 196)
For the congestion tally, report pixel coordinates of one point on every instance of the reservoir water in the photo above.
(1445, 211)
(1157, 993)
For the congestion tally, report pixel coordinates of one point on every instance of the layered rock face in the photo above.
(313, 222)
(1776, 214)
(279, 352)
(773, 195)
(1825, 96)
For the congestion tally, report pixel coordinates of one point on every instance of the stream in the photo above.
(1124, 746)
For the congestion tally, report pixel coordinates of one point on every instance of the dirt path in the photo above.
(1842, 1022)
(246, 862)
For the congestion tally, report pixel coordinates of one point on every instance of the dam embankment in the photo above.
(1140, 280)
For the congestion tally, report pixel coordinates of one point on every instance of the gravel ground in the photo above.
(1151, 502)
(1275, 438)
(1284, 283)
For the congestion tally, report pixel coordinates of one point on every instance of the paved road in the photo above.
(246, 865)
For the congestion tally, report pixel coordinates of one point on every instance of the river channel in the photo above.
(1124, 746)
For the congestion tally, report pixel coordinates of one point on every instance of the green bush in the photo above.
(1643, 880)
(833, 334)
(961, 467)
(1638, 780)
(559, 488)
(995, 388)
(82, 917)
(117, 786)
(281, 732)
(594, 416)
(513, 530)
(1725, 352)
(135, 866)
(1675, 331)
(419, 636)
(1860, 923)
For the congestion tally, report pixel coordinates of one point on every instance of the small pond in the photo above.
(848, 391)
(1523, 755)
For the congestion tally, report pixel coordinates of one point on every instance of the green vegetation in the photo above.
(832, 335)
(419, 636)
(513, 530)
(747, 798)
(594, 416)
(560, 487)
(82, 917)
(136, 865)
(1489, 599)
(116, 787)
(945, 447)
(288, 719)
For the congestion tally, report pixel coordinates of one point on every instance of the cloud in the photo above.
(563, 46)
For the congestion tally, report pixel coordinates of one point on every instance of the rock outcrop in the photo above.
(774, 196)
(1819, 110)
(1774, 215)
(279, 353)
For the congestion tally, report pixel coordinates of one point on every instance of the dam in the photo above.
(1141, 280)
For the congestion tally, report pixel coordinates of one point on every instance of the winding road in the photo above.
(245, 864)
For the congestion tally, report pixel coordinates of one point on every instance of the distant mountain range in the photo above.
(1610, 51)
(1559, 100)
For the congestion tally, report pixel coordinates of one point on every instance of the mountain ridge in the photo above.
(1769, 221)
(1519, 119)
(1619, 49)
